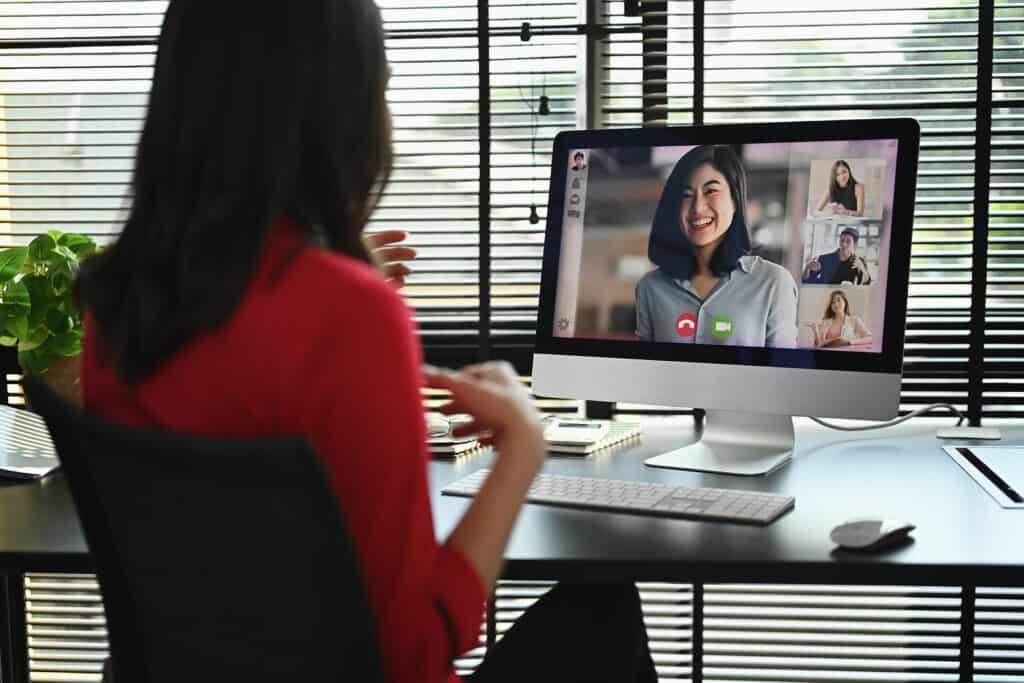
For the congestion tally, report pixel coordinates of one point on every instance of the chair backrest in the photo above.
(218, 559)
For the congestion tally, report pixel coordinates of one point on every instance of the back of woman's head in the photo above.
(668, 247)
(257, 111)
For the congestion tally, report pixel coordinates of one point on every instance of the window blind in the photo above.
(999, 635)
(434, 187)
(617, 70)
(74, 77)
(65, 21)
(65, 627)
(533, 95)
(831, 633)
(750, 632)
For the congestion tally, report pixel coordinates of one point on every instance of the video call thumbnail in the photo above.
(779, 245)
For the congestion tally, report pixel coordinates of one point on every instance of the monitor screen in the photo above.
(778, 245)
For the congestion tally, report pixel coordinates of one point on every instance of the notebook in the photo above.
(26, 451)
(446, 447)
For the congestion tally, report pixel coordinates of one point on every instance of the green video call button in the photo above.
(721, 326)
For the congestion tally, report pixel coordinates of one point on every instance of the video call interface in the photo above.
(778, 245)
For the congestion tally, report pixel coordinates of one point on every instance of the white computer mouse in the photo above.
(870, 534)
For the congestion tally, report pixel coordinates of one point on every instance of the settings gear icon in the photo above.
(563, 324)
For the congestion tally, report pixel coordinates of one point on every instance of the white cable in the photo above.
(890, 423)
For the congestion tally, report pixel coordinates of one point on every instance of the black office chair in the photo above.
(219, 560)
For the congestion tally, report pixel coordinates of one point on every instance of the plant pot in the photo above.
(65, 377)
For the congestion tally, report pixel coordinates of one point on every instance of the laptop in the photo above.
(26, 451)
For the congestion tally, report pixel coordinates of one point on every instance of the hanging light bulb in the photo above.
(534, 217)
(544, 108)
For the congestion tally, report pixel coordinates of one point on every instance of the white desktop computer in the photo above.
(757, 271)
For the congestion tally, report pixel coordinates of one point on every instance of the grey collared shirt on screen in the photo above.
(754, 305)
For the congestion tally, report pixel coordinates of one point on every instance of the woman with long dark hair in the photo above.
(844, 196)
(708, 288)
(240, 300)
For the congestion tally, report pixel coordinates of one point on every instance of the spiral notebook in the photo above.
(445, 448)
(26, 451)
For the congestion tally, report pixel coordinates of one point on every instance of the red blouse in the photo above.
(327, 349)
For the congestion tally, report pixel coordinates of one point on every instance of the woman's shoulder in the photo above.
(334, 287)
(652, 279)
(764, 269)
(293, 261)
(314, 266)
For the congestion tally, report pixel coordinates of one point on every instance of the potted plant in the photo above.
(38, 314)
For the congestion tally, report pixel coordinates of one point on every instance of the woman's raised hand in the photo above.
(502, 411)
(389, 258)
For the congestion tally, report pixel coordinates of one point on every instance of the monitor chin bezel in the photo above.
(739, 388)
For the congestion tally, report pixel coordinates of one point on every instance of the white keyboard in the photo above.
(641, 497)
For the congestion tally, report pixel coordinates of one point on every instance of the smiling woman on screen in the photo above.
(708, 288)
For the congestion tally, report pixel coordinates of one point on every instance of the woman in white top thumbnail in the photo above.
(839, 326)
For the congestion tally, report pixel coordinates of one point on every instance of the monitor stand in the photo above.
(735, 443)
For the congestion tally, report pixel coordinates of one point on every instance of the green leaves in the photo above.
(80, 245)
(11, 262)
(30, 338)
(58, 321)
(37, 309)
(15, 294)
(41, 297)
(41, 247)
(36, 361)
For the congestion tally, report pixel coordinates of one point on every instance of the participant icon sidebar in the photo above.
(577, 161)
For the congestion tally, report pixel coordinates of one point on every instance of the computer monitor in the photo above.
(758, 271)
